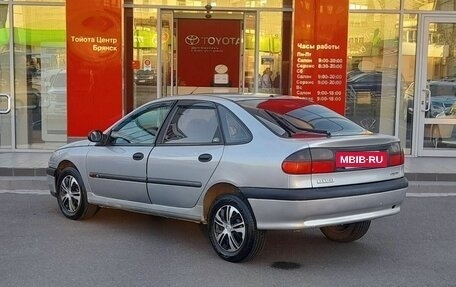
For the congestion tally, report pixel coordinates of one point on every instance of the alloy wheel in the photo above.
(70, 194)
(229, 228)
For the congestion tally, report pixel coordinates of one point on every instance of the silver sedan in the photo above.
(240, 164)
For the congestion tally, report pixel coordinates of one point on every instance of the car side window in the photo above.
(234, 130)
(142, 127)
(193, 123)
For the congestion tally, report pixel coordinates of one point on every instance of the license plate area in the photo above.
(361, 159)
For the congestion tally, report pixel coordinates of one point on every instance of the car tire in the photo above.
(346, 232)
(232, 229)
(72, 196)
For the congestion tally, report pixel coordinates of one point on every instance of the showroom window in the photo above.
(40, 76)
(374, 5)
(373, 45)
(432, 5)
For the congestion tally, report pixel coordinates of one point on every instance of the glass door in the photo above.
(436, 86)
(249, 53)
(202, 52)
(6, 99)
(167, 52)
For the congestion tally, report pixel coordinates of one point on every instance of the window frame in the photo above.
(161, 139)
(134, 116)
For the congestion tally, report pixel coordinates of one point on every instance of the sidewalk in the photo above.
(27, 170)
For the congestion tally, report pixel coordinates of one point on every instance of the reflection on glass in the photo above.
(431, 5)
(40, 76)
(38, 1)
(218, 3)
(5, 92)
(372, 71)
(438, 105)
(167, 54)
(249, 54)
(374, 5)
(145, 55)
(408, 58)
(441, 136)
(270, 62)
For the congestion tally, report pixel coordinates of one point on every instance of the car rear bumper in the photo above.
(276, 213)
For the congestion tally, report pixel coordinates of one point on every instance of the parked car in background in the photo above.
(374, 82)
(442, 95)
(145, 77)
(240, 164)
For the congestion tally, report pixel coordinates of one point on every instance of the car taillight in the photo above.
(308, 161)
(395, 155)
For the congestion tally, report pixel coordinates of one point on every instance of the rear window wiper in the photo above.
(324, 132)
(283, 121)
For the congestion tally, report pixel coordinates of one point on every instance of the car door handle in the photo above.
(205, 157)
(138, 156)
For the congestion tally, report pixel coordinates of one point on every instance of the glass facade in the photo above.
(388, 65)
(39, 76)
(6, 118)
(430, 5)
(144, 54)
(217, 3)
(373, 47)
(374, 5)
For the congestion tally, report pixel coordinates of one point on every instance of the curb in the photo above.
(23, 183)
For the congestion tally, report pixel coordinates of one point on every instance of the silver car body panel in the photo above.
(191, 214)
(176, 182)
(113, 172)
(286, 214)
(176, 177)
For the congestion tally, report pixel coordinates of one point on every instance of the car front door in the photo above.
(187, 152)
(118, 169)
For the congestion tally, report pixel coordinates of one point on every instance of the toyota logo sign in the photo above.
(192, 40)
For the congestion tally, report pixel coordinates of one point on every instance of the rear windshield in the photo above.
(292, 117)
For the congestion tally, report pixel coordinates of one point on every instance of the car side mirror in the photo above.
(96, 136)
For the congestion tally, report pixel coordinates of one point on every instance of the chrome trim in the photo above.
(116, 177)
(8, 104)
(176, 182)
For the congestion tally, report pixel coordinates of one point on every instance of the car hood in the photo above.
(80, 143)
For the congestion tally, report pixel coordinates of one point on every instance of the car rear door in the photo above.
(189, 150)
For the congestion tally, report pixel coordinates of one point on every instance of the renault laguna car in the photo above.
(240, 164)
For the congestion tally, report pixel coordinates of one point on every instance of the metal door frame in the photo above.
(421, 92)
(173, 63)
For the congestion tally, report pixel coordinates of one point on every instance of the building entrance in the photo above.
(175, 52)
(208, 55)
(211, 52)
(434, 90)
